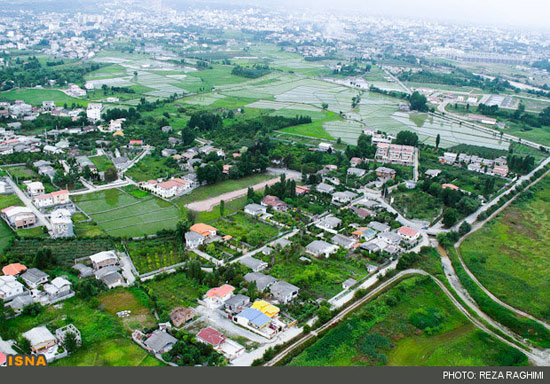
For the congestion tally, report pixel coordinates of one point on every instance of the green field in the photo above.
(321, 278)
(175, 290)
(152, 254)
(121, 214)
(417, 204)
(245, 228)
(509, 254)
(101, 162)
(413, 324)
(105, 337)
(36, 96)
(151, 168)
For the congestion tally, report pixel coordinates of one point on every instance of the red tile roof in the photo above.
(407, 231)
(211, 336)
(13, 269)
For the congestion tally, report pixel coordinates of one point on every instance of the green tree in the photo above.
(407, 138)
(465, 227)
(111, 174)
(70, 343)
(437, 141)
(450, 217)
(418, 102)
(222, 208)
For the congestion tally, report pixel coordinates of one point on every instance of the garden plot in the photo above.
(121, 214)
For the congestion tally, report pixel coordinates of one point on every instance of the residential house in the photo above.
(385, 173)
(432, 172)
(325, 188)
(501, 170)
(343, 241)
(160, 342)
(251, 317)
(255, 209)
(20, 302)
(167, 152)
(379, 227)
(363, 212)
(364, 233)
(390, 238)
(219, 295)
(284, 292)
(266, 308)
(193, 240)
(320, 248)
(329, 222)
(181, 315)
(300, 190)
(35, 188)
(10, 288)
(255, 264)
(93, 111)
(14, 269)
(168, 189)
(110, 276)
(262, 281)
(282, 242)
(58, 289)
(236, 304)
(343, 197)
(103, 259)
(41, 339)
(34, 277)
(211, 336)
(51, 199)
(274, 202)
(408, 233)
(62, 225)
(83, 270)
(355, 161)
(205, 230)
(357, 172)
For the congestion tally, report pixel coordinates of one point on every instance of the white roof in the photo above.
(61, 216)
(103, 256)
(38, 335)
(12, 211)
(60, 282)
(35, 185)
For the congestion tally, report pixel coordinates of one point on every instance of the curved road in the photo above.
(538, 358)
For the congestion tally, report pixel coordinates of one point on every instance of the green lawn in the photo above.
(6, 234)
(510, 255)
(101, 162)
(121, 214)
(244, 227)
(314, 129)
(413, 324)
(36, 96)
(321, 278)
(416, 204)
(151, 168)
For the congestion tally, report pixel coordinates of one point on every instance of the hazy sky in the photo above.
(524, 13)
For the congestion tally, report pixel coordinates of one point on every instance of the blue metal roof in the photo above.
(255, 317)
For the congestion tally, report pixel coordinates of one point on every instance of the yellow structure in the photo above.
(118, 133)
(266, 308)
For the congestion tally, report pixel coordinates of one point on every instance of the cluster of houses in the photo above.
(104, 266)
(37, 287)
(200, 234)
(496, 167)
(19, 217)
(13, 143)
(260, 316)
(375, 237)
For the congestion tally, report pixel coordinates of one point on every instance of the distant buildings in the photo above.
(395, 154)
(93, 111)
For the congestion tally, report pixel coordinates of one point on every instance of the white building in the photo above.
(93, 112)
(10, 288)
(62, 225)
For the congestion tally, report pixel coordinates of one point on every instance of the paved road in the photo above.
(95, 188)
(407, 89)
(28, 202)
